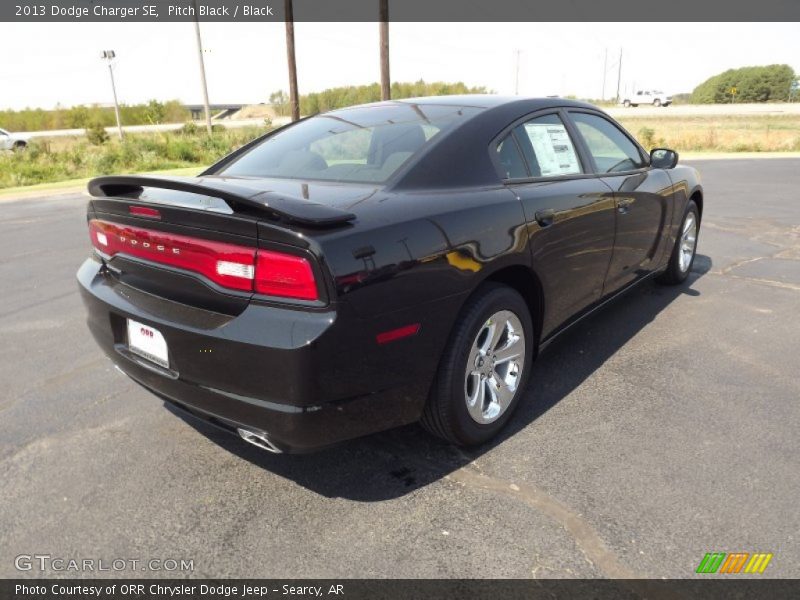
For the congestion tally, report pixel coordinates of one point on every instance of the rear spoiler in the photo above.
(287, 208)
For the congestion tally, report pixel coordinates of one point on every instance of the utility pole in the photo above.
(619, 74)
(109, 56)
(293, 99)
(202, 69)
(516, 72)
(605, 71)
(386, 84)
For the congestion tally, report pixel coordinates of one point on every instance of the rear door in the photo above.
(642, 197)
(570, 213)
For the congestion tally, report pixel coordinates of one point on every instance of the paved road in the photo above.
(708, 110)
(662, 429)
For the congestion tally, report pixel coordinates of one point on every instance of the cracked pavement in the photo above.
(659, 430)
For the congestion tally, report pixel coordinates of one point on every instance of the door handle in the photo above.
(545, 217)
(623, 204)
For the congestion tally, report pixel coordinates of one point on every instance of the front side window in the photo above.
(612, 150)
(360, 145)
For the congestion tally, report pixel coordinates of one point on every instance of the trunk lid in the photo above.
(187, 240)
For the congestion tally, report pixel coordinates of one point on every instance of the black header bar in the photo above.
(731, 588)
(151, 11)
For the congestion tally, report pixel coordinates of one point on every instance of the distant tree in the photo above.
(280, 102)
(174, 112)
(78, 117)
(96, 134)
(752, 84)
(683, 98)
(155, 112)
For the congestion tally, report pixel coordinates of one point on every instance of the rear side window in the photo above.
(365, 145)
(510, 160)
(612, 150)
(545, 146)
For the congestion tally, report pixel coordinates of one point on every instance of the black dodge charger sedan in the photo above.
(379, 265)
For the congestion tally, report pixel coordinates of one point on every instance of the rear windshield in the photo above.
(360, 145)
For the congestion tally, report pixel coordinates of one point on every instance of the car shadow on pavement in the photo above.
(395, 463)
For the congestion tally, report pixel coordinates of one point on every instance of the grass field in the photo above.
(66, 159)
(752, 133)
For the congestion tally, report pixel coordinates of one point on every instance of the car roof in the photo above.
(484, 101)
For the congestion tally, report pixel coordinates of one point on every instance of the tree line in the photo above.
(154, 112)
(82, 117)
(771, 83)
(340, 97)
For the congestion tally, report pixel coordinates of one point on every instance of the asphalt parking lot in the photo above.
(664, 428)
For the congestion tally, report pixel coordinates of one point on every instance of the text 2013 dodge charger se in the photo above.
(381, 264)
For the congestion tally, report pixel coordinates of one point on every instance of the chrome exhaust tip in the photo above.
(258, 438)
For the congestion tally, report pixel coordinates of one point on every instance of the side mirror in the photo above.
(663, 158)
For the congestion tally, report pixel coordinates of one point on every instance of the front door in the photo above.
(643, 198)
(570, 216)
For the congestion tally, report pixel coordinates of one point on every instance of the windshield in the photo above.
(360, 145)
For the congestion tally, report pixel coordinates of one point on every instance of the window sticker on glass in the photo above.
(553, 149)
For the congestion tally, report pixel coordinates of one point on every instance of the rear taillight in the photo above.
(279, 274)
(228, 265)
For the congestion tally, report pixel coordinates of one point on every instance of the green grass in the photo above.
(78, 184)
(47, 161)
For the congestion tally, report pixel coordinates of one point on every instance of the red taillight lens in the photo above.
(229, 265)
(144, 211)
(286, 275)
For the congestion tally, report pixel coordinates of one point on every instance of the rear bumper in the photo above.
(303, 377)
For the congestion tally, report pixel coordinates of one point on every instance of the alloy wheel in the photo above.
(688, 242)
(494, 367)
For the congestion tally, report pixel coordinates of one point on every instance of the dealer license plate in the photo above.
(148, 343)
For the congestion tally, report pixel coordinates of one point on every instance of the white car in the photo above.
(10, 141)
(648, 97)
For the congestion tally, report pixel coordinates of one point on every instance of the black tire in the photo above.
(627, 104)
(446, 414)
(19, 146)
(674, 274)
(657, 102)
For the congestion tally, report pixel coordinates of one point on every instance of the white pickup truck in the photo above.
(9, 141)
(648, 97)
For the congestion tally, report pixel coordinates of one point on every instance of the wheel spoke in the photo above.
(501, 392)
(491, 327)
(497, 335)
(513, 349)
(475, 405)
